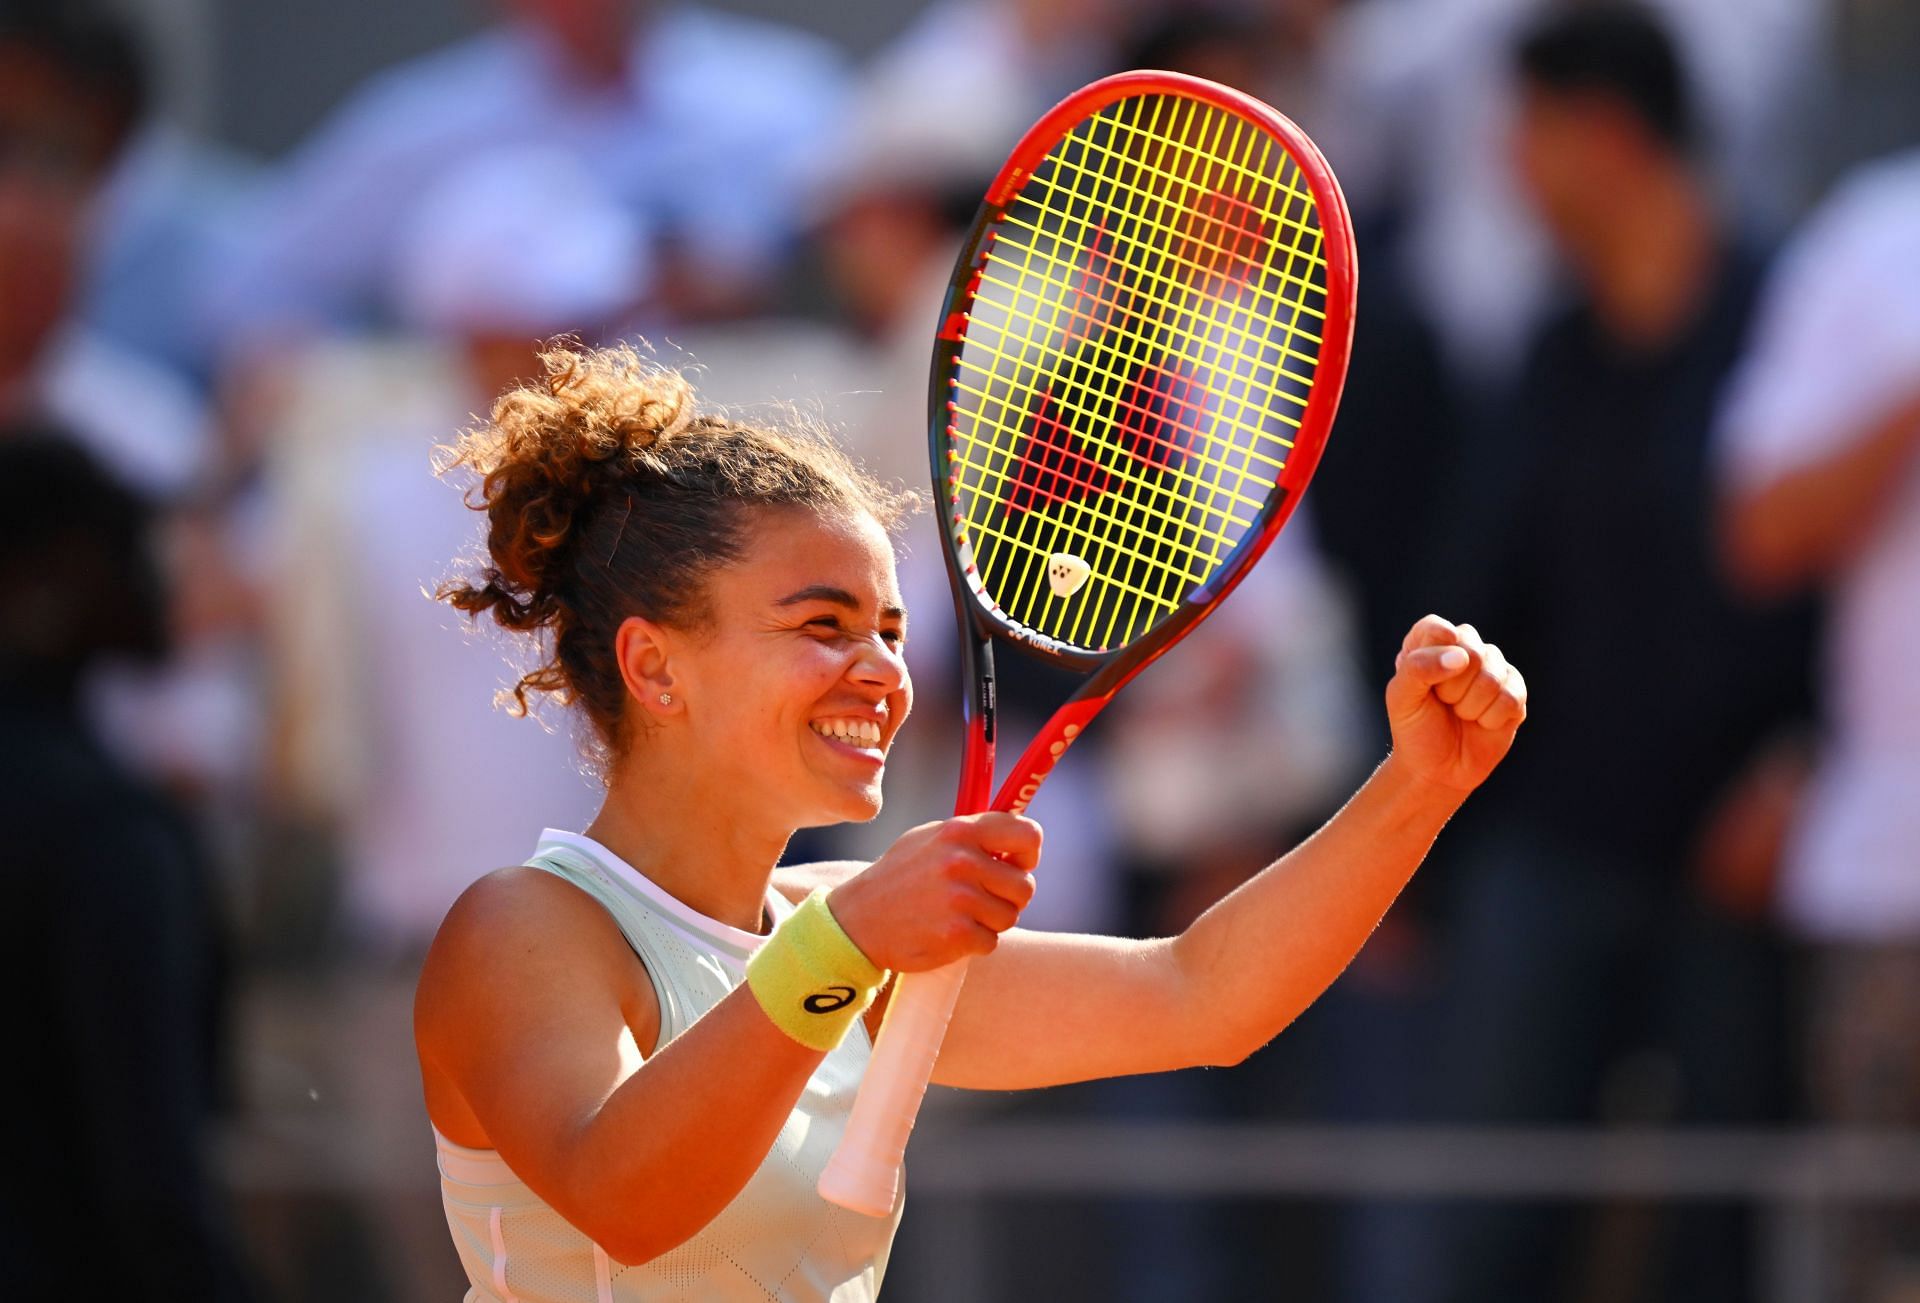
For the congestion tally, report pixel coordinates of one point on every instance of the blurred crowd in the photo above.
(1636, 390)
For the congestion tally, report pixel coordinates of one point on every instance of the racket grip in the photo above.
(864, 1173)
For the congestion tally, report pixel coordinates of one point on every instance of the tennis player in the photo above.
(640, 1047)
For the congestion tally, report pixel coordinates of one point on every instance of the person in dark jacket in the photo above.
(1595, 972)
(111, 950)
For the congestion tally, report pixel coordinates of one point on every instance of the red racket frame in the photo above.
(1112, 670)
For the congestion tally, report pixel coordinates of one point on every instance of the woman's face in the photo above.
(795, 686)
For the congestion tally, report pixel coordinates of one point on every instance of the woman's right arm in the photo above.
(527, 1006)
(535, 1010)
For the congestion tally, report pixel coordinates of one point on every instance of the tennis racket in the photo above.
(1137, 364)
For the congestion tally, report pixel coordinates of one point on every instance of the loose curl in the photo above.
(609, 494)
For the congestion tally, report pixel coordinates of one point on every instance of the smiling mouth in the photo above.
(861, 734)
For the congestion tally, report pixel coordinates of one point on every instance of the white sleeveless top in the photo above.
(778, 1239)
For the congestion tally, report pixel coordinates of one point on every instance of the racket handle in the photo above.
(864, 1173)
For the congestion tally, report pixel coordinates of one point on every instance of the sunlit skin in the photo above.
(536, 1024)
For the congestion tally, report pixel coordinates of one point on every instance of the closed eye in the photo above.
(893, 638)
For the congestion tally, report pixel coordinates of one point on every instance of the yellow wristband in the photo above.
(810, 977)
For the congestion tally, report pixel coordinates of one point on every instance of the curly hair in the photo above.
(609, 494)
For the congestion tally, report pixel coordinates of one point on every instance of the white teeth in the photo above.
(857, 732)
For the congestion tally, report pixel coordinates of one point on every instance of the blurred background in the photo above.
(1636, 390)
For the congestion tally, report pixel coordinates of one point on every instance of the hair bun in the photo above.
(551, 448)
(614, 401)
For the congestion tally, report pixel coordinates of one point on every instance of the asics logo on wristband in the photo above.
(827, 1001)
(810, 978)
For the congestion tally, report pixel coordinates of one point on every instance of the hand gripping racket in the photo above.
(1138, 360)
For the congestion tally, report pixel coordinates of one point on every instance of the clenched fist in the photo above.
(1453, 704)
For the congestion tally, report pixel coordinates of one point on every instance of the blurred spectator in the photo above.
(111, 940)
(1821, 460)
(427, 781)
(1593, 976)
(172, 214)
(703, 124)
(1419, 108)
(72, 91)
(970, 75)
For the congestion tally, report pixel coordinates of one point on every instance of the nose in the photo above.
(879, 666)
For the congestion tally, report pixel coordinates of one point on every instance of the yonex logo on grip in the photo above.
(827, 1001)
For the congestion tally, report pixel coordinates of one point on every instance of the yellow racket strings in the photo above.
(1139, 351)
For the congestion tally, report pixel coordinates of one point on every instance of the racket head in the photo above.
(1140, 355)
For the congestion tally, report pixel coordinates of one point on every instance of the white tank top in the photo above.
(778, 1239)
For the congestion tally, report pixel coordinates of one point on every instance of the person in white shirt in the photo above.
(75, 84)
(1820, 459)
(664, 104)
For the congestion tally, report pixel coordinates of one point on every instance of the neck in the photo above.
(1647, 266)
(698, 846)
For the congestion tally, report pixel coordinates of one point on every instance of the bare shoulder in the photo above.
(528, 980)
(519, 907)
(516, 938)
(798, 881)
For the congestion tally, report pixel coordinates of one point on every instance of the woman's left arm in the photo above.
(1047, 1008)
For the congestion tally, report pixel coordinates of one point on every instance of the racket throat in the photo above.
(986, 695)
(980, 708)
(1033, 766)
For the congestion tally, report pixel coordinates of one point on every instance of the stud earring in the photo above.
(666, 698)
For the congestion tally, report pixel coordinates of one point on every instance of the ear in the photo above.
(644, 650)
